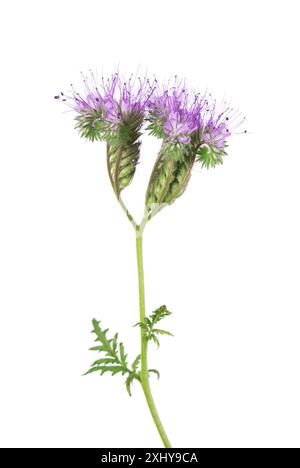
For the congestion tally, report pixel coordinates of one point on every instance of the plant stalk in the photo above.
(144, 344)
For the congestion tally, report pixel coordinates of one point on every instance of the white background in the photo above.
(224, 258)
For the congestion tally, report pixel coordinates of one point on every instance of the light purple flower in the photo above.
(216, 125)
(176, 111)
(114, 99)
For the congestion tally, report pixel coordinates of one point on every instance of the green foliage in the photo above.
(154, 371)
(115, 359)
(91, 126)
(155, 126)
(210, 156)
(149, 327)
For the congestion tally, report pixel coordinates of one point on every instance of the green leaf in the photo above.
(141, 325)
(93, 369)
(113, 358)
(122, 355)
(154, 371)
(128, 383)
(101, 336)
(114, 369)
(115, 342)
(161, 332)
(149, 323)
(104, 361)
(159, 314)
(102, 369)
(97, 348)
(155, 339)
(136, 363)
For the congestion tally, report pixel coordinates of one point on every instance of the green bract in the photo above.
(123, 152)
(209, 156)
(169, 177)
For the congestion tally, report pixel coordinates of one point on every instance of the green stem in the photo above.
(123, 206)
(144, 344)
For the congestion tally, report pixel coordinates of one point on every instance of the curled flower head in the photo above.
(192, 128)
(104, 105)
(216, 125)
(182, 118)
(112, 110)
(174, 113)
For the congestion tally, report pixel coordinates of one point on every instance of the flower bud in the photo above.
(170, 177)
(121, 161)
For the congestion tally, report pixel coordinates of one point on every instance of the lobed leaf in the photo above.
(162, 332)
(115, 358)
(136, 362)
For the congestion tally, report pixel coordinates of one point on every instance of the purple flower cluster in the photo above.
(174, 114)
(181, 115)
(217, 124)
(176, 111)
(113, 98)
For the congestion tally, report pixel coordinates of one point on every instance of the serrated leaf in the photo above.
(115, 342)
(123, 356)
(97, 348)
(128, 383)
(162, 332)
(210, 156)
(93, 369)
(159, 314)
(113, 369)
(101, 336)
(149, 323)
(104, 361)
(136, 362)
(141, 325)
(155, 339)
(114, 360)
(96, 327)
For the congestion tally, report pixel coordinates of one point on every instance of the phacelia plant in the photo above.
(192, 129)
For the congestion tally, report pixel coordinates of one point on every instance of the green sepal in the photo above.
(123, 151)
(210, 156)
(155, 127)
(121, 163)
(170, 175)
(91, 126)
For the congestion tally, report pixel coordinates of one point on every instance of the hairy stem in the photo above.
(144, 344)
